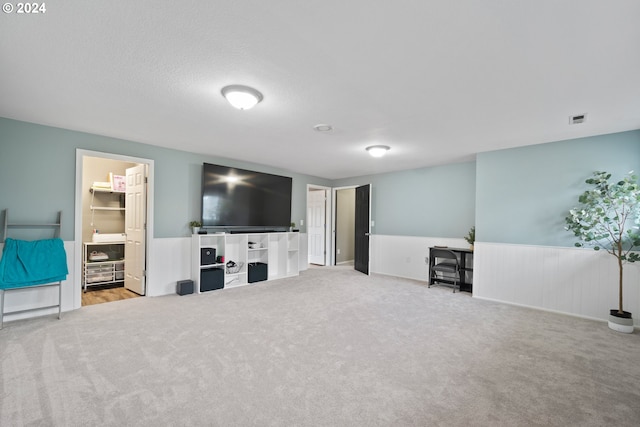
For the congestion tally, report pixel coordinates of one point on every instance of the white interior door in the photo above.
(135, 227)
(316, 225)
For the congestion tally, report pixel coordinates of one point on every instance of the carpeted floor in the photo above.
(329, 348)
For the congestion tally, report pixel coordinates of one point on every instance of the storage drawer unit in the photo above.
(96, 273)
(103, 264)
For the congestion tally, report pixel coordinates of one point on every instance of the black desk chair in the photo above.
(445, 269)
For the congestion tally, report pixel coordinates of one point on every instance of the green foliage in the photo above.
(608, 217)
(471, 236)
(195, 223)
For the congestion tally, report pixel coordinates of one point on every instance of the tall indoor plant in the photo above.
(608, 217)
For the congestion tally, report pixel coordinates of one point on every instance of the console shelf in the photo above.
(278, 251)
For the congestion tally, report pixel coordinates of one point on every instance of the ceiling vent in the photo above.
(323, 128)
(577, 119)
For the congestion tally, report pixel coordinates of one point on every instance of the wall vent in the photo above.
(577, 119)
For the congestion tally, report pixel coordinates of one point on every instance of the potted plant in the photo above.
(607, 218)
(471, 236)
(293, 225)
(195, 226)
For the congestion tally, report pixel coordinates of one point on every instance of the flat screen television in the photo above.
(236, 198)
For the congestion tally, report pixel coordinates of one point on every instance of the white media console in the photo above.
(251, 252)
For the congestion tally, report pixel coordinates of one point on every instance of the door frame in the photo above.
(80, 155)
(334, 214)
(328, 218)
(368, 228)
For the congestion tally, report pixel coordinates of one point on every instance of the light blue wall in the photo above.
(434, 202)
(523, 194)
(37, 176)
(515, 195)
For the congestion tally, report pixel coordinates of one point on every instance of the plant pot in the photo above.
(195, 230)
(621, 322)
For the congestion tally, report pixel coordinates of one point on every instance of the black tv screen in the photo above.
(240, 198)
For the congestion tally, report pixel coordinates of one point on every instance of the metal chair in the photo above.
(445, 269)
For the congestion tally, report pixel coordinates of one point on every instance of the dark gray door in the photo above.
(361, 252)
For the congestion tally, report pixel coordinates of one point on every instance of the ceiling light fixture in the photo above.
(378, 150)
(241, 97)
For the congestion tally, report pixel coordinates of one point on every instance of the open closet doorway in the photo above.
(112, 195)
(351, 224)
(345, 211)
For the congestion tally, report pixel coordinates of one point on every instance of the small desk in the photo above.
(465, 257)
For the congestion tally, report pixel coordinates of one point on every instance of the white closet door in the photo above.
(135, 227)
(316, 225)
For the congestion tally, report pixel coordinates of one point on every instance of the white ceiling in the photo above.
(437, 80)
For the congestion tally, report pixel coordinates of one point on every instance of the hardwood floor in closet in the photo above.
(99, 296)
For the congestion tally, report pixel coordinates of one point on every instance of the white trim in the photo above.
(369, 227)
(328, 215)
(334, 214)
(573, 281)
(333, 221)
(533, 307)
(548, 310)
(80, 154)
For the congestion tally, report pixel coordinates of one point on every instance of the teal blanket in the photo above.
(31, 263)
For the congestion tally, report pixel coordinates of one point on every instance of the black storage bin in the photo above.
(211, 279)
(184, 287)
(257, 272)
(207, 256)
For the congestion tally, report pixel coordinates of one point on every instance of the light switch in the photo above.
(301, 222)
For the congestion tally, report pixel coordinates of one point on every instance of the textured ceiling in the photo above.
(438, 81)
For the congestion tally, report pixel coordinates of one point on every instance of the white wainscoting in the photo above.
(169, 262)
(405, 256)
(580, 282)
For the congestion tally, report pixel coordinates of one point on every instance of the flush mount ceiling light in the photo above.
(241, 97)
(378, 150)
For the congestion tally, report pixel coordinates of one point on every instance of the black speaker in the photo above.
(211, 279)
(207, 256)
(257, 272)
(184, 287)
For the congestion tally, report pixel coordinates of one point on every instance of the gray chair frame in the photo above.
(445, 269)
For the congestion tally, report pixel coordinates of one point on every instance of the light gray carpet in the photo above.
(329, 348)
